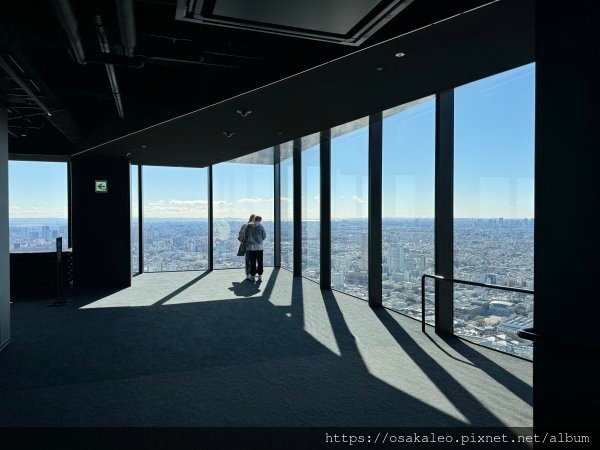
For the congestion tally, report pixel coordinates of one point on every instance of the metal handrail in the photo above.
(455, 280)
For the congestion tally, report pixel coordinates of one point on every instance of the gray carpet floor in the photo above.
(193, 349)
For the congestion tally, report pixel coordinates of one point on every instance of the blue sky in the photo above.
(37, 189)
(494, 166)
(175, 192)
(494, 142)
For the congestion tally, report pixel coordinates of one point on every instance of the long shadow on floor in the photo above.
(178, 291)
(448, 354)
(234, 362)
(517, 386)
(460, 397)
(345, 340)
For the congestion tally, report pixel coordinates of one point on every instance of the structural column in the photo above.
(375, 199)
(4, 251)
(210, 219)
(444, 211)
(277, 204)
(566, 391)
(140, 219)
(69, 205)
(101, 222)
(325, 209)
(297, 160)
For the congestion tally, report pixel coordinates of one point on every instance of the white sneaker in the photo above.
(259, 278)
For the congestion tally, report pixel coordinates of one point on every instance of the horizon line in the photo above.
(290, 220)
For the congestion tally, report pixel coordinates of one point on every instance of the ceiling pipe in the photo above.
(11, 73)
(110, 69)
(66, 17)
(126, 19)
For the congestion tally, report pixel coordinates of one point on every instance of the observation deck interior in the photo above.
(211, 349)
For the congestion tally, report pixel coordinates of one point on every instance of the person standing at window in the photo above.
(256, 235)
(243, 250)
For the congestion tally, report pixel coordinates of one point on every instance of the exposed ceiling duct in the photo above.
(28, 90)
(30, 103)
(126, 19)
(110, 69)
(66, 17)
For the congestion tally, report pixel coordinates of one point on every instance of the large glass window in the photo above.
(494, 207)
(241, 187)
(349, 207)
(311, 185)
(287, 205)
(175, 218)
(408, 205)
(38, 203)
(135, 221)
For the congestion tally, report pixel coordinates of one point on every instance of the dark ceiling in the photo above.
(176, 67)
(454, 52)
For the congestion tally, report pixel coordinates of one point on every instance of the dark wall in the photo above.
(100, 223)
(35, 275)
(566, 388)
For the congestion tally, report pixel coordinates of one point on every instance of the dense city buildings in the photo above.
(492, 251)
(31, 235)
(176, 244)
(478, 314)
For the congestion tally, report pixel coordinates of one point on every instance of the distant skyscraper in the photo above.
(364, 252)
(491, 278)
(338, 281)
(396, 258)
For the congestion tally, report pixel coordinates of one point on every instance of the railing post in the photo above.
(423, 303)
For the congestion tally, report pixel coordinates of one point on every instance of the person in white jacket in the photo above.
(256, 235)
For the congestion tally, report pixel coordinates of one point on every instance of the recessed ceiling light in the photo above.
(379, 69)
(144, 146)
(228, 134)
(244, 112)
(23, 135)
(399, 55)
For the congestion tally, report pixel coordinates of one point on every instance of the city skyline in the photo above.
(493, 209)
(492, 170)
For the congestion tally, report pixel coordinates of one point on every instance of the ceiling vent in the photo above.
(348, 22)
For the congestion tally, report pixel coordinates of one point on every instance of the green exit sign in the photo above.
(101, 186)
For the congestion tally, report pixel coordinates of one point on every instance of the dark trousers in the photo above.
(256, 259)
(247, 261)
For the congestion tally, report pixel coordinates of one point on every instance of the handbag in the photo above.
(243, 248)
